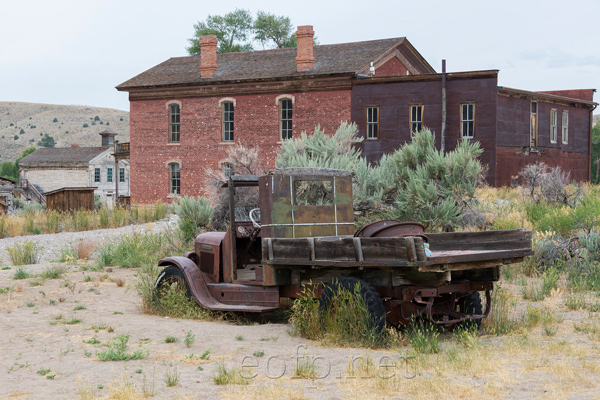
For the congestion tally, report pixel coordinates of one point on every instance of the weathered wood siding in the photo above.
(513, 127)
(395, 98)
(69, 199)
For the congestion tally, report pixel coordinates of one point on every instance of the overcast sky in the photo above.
(76, 51)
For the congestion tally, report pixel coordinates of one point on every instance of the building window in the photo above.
(174, 124)
(285, 121)
(109, 175)
(467, 120)
(372, 122)
(227, 121)
(121, 174)
(533, 125)
(175, 179)
(96, 174)
(565, 127)
(416, 118)
(553, 126)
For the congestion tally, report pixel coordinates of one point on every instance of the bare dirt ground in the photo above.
(53, 330)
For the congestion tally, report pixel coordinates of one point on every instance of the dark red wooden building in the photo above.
(514, 127)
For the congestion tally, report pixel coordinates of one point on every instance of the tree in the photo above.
(233, 30)
(10, 170)
(238, 29)
(278, 29)
(46, 141)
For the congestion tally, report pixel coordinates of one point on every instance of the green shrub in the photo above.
(226, 376)
(591, 242)
(432, 187)
(172, 377)
(21, 274)
(117, 351)
(586, 215)
(551, 218)
(134, 250)
(104, 214)
(67, 253)
(537, 290)
(26, 252)
(194, 214)
(52, 273)
(424, 337)
(584, 275)
(189, 340)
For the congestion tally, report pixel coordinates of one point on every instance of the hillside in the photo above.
(22, 125)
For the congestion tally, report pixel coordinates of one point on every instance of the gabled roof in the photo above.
(61, 157)
(333, 59)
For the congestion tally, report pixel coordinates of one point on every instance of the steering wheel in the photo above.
(254, 223)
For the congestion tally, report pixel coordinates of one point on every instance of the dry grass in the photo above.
(43, 221)
(266, 391)
(84, 249)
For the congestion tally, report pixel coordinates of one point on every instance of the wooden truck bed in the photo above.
(450, 251)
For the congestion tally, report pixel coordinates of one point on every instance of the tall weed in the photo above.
(346, 322)
(23, 253)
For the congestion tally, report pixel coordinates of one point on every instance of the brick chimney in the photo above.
(304, 56)
(208, 56)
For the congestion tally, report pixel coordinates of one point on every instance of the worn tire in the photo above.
(470, 304)
(169, 276)
(367, 292)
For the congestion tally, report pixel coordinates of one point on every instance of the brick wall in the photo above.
(393, 67)
(256, 120)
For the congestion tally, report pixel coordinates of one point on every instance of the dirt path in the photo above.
(53, 331)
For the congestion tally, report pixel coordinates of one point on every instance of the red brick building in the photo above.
(187, 111)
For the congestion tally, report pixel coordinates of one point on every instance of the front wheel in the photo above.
(171, 277)
(370, 296)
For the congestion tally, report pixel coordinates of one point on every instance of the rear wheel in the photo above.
(171, 277)
(365, 290)
(470, 304)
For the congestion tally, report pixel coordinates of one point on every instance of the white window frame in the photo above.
(287, 119)
(174, 189)
(372, 123)
(174, 123)
(553, 124)
(565, 127)
(468, 122)
(228, 127)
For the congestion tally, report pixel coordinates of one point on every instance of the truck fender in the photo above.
(189, 269)
(196, 281)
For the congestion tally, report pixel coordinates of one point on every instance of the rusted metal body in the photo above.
(305, 236)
